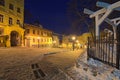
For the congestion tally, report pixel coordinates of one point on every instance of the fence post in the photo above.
(88, 48)
(112, 51)
(118, 57)
(118, 48)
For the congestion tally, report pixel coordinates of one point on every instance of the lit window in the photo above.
(38, 32)
(33, 40)
(2, 2)
(44, 40)
(18, 10)
(1, 31)
(47, 40)
(10, 21)
(1, 18)
(11, 6)
(18, 21)
(33, 31)
(41, 40)
(42, 33)
(27, 31)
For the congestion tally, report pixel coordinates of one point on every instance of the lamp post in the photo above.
(38, 41)
(73, 40)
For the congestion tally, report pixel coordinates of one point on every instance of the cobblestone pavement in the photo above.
(15, 63)
(64, 60)
(35, 63)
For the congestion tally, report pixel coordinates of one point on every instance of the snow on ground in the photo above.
(15, 63)
(92, 70)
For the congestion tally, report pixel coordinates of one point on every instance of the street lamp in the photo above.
(38, 41)
(73, 40)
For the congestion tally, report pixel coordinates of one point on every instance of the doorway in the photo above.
(14, 39)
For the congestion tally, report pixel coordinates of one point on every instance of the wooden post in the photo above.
(118, 49)
(88, 49)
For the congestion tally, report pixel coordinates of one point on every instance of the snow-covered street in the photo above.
(21, 63)
(15, 63)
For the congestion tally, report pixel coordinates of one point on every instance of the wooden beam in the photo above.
(116, 21)
(87, 11)
(105, 5)
(103, 10)
(114, 5)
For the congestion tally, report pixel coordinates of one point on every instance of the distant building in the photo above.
(56, 41)
(11, 23)
(36, 36)
(68, 42)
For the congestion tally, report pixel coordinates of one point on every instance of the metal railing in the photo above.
(103, 49)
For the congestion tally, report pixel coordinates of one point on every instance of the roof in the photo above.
(40, 27)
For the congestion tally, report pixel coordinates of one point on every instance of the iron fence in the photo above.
(104, 49)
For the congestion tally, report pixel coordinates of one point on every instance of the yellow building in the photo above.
(11, 22)
(69, 42)
(36, 36)
(66, 43)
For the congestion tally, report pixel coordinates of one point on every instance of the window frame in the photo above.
(18, 10)
(27, 31)
(11, 6)
(10, 21)
(33, 31)
(1, 18)
(18, 22)
(2, 2)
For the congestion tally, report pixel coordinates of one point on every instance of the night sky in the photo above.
(50, 13)
(57, 15)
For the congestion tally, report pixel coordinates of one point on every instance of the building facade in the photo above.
(36, 36)
(56, 41)
(69, 42)
(11, 22)
(66, 43)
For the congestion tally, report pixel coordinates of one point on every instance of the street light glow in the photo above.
(77, 41)
(73, 38)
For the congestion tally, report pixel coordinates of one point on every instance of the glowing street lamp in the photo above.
(73, 38)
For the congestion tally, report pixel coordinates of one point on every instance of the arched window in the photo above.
(2, 2)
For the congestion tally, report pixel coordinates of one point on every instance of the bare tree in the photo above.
(77, 17)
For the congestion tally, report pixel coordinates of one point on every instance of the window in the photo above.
(1, 18)
(33, 31)
(1, 31)
(2, 2)
(50, 40)
(44, 40)
(18, 21)
(33, 40)
(47, 40)
(41, 40)
(10, 21)
(18, 10)
(11, 6)
(38, 32)
(27, 31)
(42, 33)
